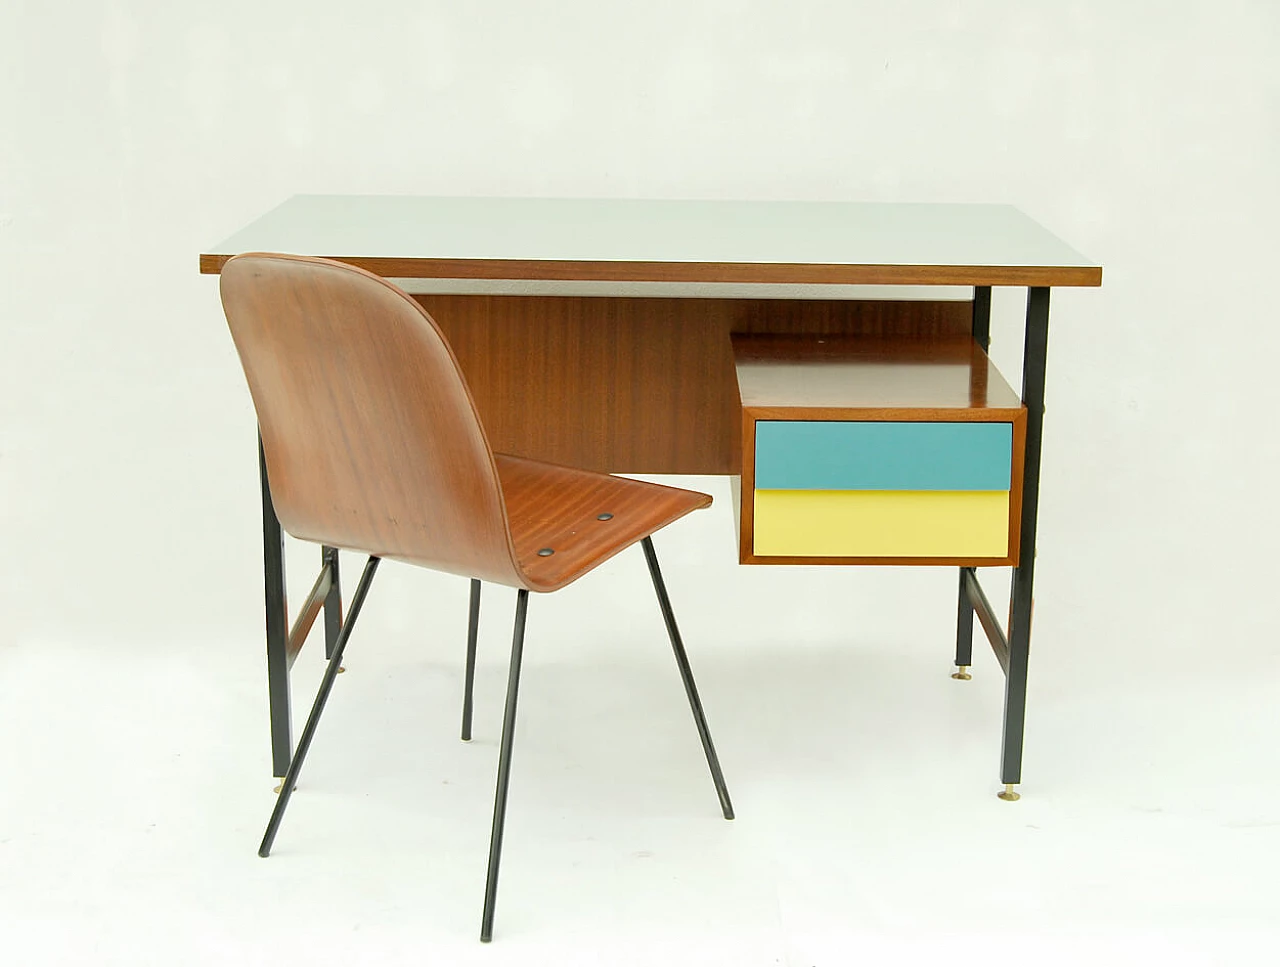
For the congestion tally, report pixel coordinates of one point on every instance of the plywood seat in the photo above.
(559, 509)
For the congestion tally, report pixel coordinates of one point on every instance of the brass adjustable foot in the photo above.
(341, 669)
(961, 673)
(277, 789)
(1009, 795)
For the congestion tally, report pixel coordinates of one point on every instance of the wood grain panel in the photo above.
(626, 385)
(367, 427)
(559, 509)
(882, 372)
(743, 272)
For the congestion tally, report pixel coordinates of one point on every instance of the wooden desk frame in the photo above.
(1011, 645)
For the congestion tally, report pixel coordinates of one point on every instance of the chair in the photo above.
(372, 443)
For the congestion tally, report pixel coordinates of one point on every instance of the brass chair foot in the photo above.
(961, 673)
(341, 669)
(1009, 795)
(280, 786)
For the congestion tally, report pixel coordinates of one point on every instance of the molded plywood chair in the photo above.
(372, 443)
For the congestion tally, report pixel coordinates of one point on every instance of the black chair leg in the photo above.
(473, 629)
(687, 674)
(504, 766)
(326, 686)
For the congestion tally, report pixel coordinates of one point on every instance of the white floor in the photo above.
(136, 784)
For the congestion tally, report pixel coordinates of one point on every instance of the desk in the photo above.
(599, 333)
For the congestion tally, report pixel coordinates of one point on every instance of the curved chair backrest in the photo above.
(371, 437)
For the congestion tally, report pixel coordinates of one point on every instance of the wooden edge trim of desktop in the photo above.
(734, 272)
(895, 414)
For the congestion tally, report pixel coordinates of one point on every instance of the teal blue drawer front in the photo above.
(883, 456)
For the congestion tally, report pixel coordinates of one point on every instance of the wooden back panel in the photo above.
(371, 437)
(640, 385)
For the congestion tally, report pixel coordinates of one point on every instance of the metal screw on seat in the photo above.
(545, 552)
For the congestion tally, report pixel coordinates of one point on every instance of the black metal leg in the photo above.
(504, 765)
(332, 601)
(964, 613)
(982, 316)
(687, 675)
(277, 626)
(309, 730)
(964, 634)
(473, 630)
(1015, 695)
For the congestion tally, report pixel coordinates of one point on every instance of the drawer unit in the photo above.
(824, 483)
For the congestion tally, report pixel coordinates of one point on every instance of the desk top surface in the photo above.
(637, 240)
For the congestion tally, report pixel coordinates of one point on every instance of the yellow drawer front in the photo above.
(881, 523)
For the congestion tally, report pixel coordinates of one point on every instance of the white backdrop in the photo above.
(133, 135)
